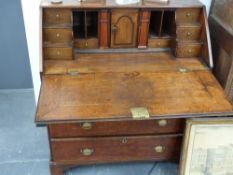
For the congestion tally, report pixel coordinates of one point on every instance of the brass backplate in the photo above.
(140, 112)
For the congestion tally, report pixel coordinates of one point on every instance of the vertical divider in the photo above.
(161, 24)
(143, 32)
(85, 25)
(104, 28)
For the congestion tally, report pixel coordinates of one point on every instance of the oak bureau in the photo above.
(119, 80)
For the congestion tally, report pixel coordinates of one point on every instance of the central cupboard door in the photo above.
(124, 28)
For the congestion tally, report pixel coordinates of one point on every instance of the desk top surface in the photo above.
(122, 4)
(109, 94)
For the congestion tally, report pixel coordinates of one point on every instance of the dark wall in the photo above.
(15, 70)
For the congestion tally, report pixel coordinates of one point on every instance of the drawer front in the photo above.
(91, 43)
(58, 53)
(114, 149)
(159, 43)
(116, 128)
(53, 36)
(61, 17)
(188, 50)
(187, 15)
(188, 33)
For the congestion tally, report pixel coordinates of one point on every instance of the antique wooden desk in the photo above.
(118, 81)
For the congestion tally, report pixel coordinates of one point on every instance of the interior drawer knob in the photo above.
(58, 53)
(58, 35)
(162, 122)
(189, 34)
(57, 15)
(159, 149)
(190, 51)
(188, 14)
(87, 151)
(86, 125)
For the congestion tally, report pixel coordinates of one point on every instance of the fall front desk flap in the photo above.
(106, 96)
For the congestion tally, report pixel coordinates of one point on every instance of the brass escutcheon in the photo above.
(124, 140)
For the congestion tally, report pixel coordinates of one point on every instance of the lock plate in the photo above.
(140, 112)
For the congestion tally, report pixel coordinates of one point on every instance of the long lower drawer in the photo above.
(116, 149)
(116, 128)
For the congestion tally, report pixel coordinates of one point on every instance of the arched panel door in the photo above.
(124, 28)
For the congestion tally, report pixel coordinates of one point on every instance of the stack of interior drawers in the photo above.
(188, 32)
(57, 34)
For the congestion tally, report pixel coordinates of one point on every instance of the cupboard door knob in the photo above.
(87, 151)
(114, 29)
(162, 123)
(58, 35)
(58, 52)
(159, 44)
(159, 149)
(57, 15)
(190, 51)
(86, 125)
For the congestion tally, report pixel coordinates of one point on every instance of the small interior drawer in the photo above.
(115, 128)
(159, 42)
(186, 49)
(188, 15)
(188, 32)
(91, 43)
(58, 36)
(58, 53)
(57, 17)
(114, 149)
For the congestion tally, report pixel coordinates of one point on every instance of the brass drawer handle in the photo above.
(162, 123)
(86, 125)
(159, 149)
(87, 151)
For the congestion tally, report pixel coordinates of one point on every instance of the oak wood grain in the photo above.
(125, 62)
(124, 28)
(106, 96)
(116, 149)
(116, 128)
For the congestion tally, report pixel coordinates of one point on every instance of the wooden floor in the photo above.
(139, 62)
